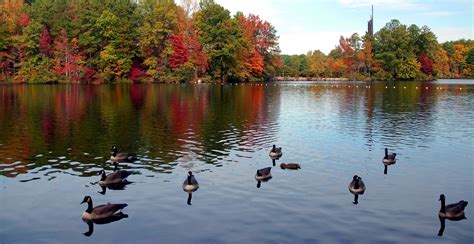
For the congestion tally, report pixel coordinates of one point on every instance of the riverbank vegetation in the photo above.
(112, 41)
(106, 41)
(395, 52)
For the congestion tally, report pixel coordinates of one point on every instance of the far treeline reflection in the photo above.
(160, 120)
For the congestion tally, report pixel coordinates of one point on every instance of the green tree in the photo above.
(222, 41)
(395, 51)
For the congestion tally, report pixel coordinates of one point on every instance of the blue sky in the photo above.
(305, 25)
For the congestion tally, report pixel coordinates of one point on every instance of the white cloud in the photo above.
(300, 42)
(392, 4)
(453, 33)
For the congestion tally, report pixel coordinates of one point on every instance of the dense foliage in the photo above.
(395, 52)
(106, 41)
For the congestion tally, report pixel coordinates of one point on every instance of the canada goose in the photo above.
(101, 211)
(123, 156)
(357, 186)
(190, 184)
(451, 211)
(113, 178)
(290, 166)
(389, 158)
(263, 174)
(275, 152)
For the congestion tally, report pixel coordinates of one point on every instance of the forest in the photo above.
(111, 41)
(395, 52)
(123, 41)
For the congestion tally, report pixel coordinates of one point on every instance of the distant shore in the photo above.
(290, 78)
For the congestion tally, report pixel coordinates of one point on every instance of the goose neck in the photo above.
(443, 206)
(89, 206)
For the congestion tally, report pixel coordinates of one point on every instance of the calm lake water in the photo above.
(54, 139)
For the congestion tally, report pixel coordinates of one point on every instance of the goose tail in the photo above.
(132, 157)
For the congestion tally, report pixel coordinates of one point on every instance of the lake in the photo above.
(54, 139)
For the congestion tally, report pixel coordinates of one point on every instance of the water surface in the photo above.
(54, 139)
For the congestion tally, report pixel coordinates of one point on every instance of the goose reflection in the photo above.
(385, 165)
(113, 218)
(442, 223)
(116, 187)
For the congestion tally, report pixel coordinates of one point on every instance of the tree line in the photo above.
(108, 41)
(395, 52)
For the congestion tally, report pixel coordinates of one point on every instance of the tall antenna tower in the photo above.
(370, 24)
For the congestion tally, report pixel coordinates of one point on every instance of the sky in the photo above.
(305, 25)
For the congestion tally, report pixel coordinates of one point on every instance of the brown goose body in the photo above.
(389, 158)
(114, 177)
(275, 152)
(101, 211)
(263, 174)
(357, 186)
(190, 184)
(290, 166)
(451, 211)
(122, 156)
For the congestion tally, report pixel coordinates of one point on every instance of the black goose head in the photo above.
(102, 174)
(114, 150)
(442, 197)
(386, 152)
(87, 199)
(274, 147)
(355, 178)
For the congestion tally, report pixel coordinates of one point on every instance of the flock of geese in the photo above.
(109, 212)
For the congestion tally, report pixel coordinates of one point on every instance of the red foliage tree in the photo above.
(347, 52)
(426, 64)
(136, 73)
(45, 43)
(179, 55)
(67, 57)
(24, 20)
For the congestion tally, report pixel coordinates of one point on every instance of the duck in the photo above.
(275, 152)
(116, 177)
(357, 186)
(263, 174)
(190, 184)
(451, 211)
(389, 158)
(290, 166)
(101, 211)
(122, 156)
